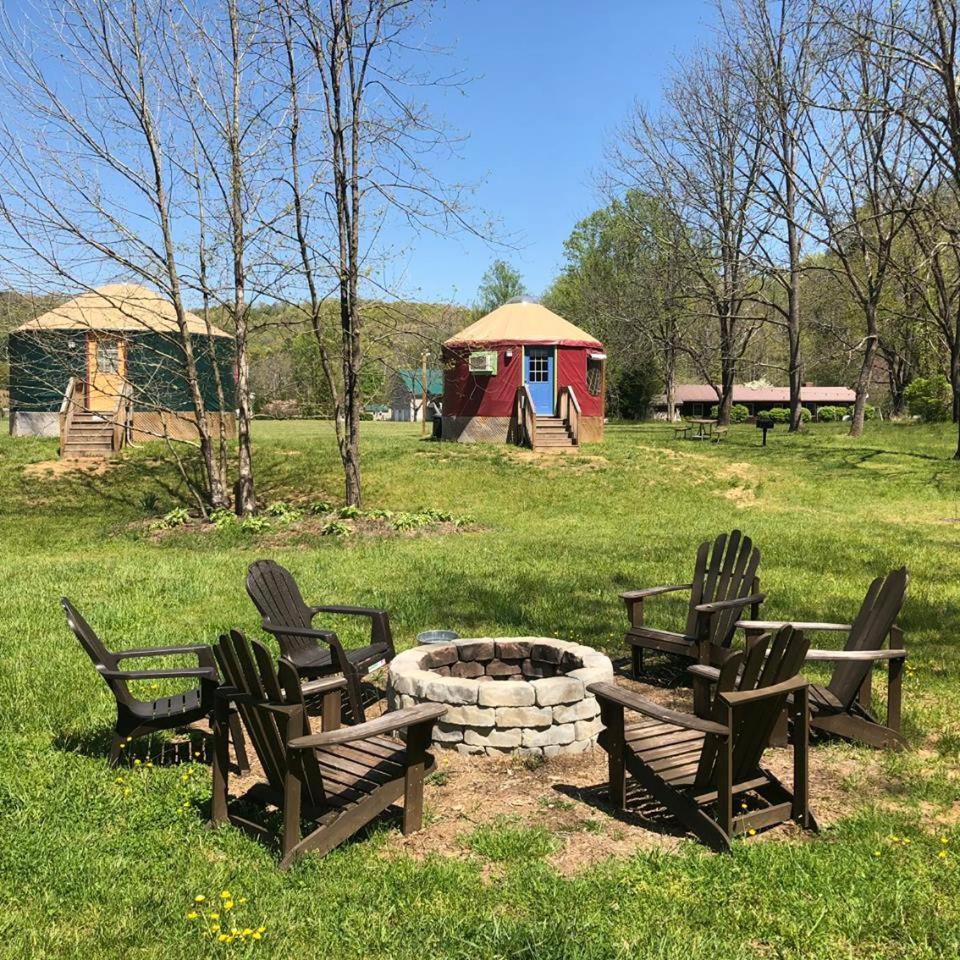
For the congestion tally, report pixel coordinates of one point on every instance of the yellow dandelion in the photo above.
(224, 938)
(214, 927)
(906, 840)
(256, 935)
(876, 853)
(752, 832)
(261, 929)
(126, 791)
(192, 915)
(234, 930)
(214, 916)
(227, 904)
(150, 763)
(136, 762)
(242, 900)
(199, 898)
(129, 739)
(944, 840)
(226, 895)
(247, 931)
(942, 854)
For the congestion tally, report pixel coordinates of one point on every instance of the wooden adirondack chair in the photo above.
(724, 584)
(843, 707)
(695, 767)
(341, 778)
(137, 718)
(314, 652)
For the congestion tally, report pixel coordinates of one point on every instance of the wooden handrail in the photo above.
(569, 410)
(68, 407)
(526, 417)
(122, 417)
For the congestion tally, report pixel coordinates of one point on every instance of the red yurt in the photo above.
(522, 343)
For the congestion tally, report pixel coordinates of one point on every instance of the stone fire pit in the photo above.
(522, 695)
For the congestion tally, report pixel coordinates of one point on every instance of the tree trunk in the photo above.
(245, 501)
(795, 357)
(862, 385)
(955, 378)
(670, 381)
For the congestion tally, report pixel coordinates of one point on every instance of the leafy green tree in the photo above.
(499, 284)
(929, 398)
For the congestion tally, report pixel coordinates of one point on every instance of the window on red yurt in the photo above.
(594, 375)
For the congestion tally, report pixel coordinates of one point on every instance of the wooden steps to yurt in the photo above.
(553, 433)
(90, 435)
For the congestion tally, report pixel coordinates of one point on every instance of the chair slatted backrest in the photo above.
(275, 594)
(95, 650)
(724, 570)
(869, 631)
(771, 659)
(249, 668)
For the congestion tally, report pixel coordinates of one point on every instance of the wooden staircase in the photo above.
(93, 433)
(554, 433)
(90, 435)
(560, 434)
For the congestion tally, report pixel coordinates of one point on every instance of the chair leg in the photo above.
(116, 749)
(801, 758)
(239, 744)
(612, 716)
(725, 777)
(637, 660)
(894, 694)
(418, 739)
(221, 762)
(291, 808)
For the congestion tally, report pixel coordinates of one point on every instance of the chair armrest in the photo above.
(323, 685)
(705, 672)
(720, 605)
(737, 698)
(801, 625)
(208, 673)
(270, 627)
(653, 591)
(633, 701)
(388, 723)
(160, 651)
(349, 611)
(855, 656)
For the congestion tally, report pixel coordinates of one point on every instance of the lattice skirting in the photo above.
(158, 424)
(498, 429)
(477, 429)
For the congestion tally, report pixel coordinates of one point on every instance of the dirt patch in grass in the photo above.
(568, 796)
(51, 469)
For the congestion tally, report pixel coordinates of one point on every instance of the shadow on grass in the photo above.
(189, 746)
(642, 810)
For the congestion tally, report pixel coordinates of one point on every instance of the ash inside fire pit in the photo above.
(523, 694)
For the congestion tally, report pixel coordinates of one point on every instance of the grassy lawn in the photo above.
(92, 867)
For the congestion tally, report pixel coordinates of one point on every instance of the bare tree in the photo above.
(704, 158)
(772, 45)
(141, 158)
(361, 164)
(919, 44)
(873, 172)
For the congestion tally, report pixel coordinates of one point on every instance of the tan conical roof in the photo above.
(523, 321)
(118, 306)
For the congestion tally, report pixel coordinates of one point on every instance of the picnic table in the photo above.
(704, 428)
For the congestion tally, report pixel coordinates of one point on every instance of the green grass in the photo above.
(95, 868)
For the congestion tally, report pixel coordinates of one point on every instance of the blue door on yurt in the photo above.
(538, 370)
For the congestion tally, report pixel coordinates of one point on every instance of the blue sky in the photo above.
(553, 80)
